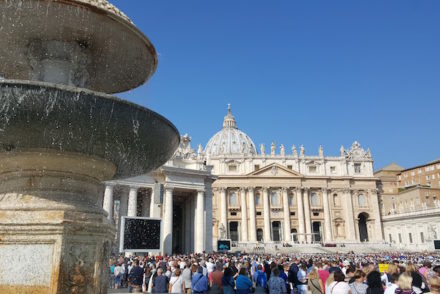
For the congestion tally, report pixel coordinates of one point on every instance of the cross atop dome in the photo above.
(229, 120)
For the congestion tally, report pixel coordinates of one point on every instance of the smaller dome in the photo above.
(230, 140)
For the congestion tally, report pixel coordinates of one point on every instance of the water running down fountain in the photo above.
(61, 136)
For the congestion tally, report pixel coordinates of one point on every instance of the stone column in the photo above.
(200, 222)
(223, 214)
(108, 201)
(307, 214)
(252, 221)
(286, 215)
(132, 202)
(266, 210)
(244, 227)
(299, 200)
(208, 225)
(374, 200)
(327, 220)
(349, 218)
(123, 205)
(168, 222)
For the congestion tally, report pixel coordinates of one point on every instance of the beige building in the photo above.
(410, 206)
(290, 196)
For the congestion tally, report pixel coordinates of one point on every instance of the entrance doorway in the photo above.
(178, 228)
(295, 236)
(316, 227)
(276, 231)
(362, 223)
(259, 235)
(233, 231)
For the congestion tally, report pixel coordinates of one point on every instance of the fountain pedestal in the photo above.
(54, 237)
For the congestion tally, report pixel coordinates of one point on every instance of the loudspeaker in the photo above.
(437, 244)
(158, 193)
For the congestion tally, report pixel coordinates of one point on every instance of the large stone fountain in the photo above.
(62, 134)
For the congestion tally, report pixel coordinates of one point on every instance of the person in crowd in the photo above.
(374, 283)
(118, 272)
(260, 280)
(334, 267)
(160, 282)
(187, 275)
(147, 276)
(302, 279)
(216, 279)
(243, 283)
(276, 285)
(199, 282)
(358, 286)
(228, 281)
(323, 274)
(177, 284)
(135, 278)
(314, 283)
(404, 284)
(292, 275)
(392, 284)
(338, 286)
(112, 266)
(434, 283)
(349, 274)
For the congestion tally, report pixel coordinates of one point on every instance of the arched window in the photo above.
(314, 199)
(232, 198)
(291, 200)
(361, 200)
(275, 199)
(257, 200)
(336, 200)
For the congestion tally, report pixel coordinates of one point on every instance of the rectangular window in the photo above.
(413, 173)
(258, 212)
(419, 171)
(292, 213)
(422, 238)
(405, 175)
(357, 168)
(399, 177)
(233, 213)
(410, 237)
(413, 182)
(256, 167)
(289, 167)
(400, 238)
(433, 176)
(232, 168)
(427, 177)
(333, 169)
(312, 169)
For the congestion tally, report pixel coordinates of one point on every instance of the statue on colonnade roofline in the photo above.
(294, 152)
(262, 151)
(342, 150)
(321, 151)
(301, 150)
(282, 151)
(272, 149)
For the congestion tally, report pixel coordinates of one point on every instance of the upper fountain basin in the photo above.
(41, 116)
(84, 43)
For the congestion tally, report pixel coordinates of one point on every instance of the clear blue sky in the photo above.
(309, 72)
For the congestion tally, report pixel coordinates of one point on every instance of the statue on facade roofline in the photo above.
(262, 151)
(342, 150)
(282, 151)
(294, 152)
(321, 151)
(301, 150)
(272, 149)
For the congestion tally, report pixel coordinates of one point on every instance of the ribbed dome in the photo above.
(230, 140)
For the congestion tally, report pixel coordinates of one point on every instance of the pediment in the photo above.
(275, 170)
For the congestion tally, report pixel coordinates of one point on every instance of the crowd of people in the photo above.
(388, 273)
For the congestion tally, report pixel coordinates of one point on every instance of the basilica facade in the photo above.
(229, 190)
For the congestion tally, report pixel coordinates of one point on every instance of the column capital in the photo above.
(168, 188)
(346, 190)
(307, 189)
(200, 190)
(284, 189)
(133, 188)
(250, 189)
(373, 191)
(242, 189)
(107, 184)
(325, 190)
(265, 189)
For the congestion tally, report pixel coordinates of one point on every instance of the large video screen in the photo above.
(140, 234)
(224, 245)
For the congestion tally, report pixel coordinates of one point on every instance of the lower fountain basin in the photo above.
(36, 116)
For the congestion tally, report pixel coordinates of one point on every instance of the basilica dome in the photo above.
(230, 140)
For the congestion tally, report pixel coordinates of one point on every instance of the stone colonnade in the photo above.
(151, 207)
(303, 209)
